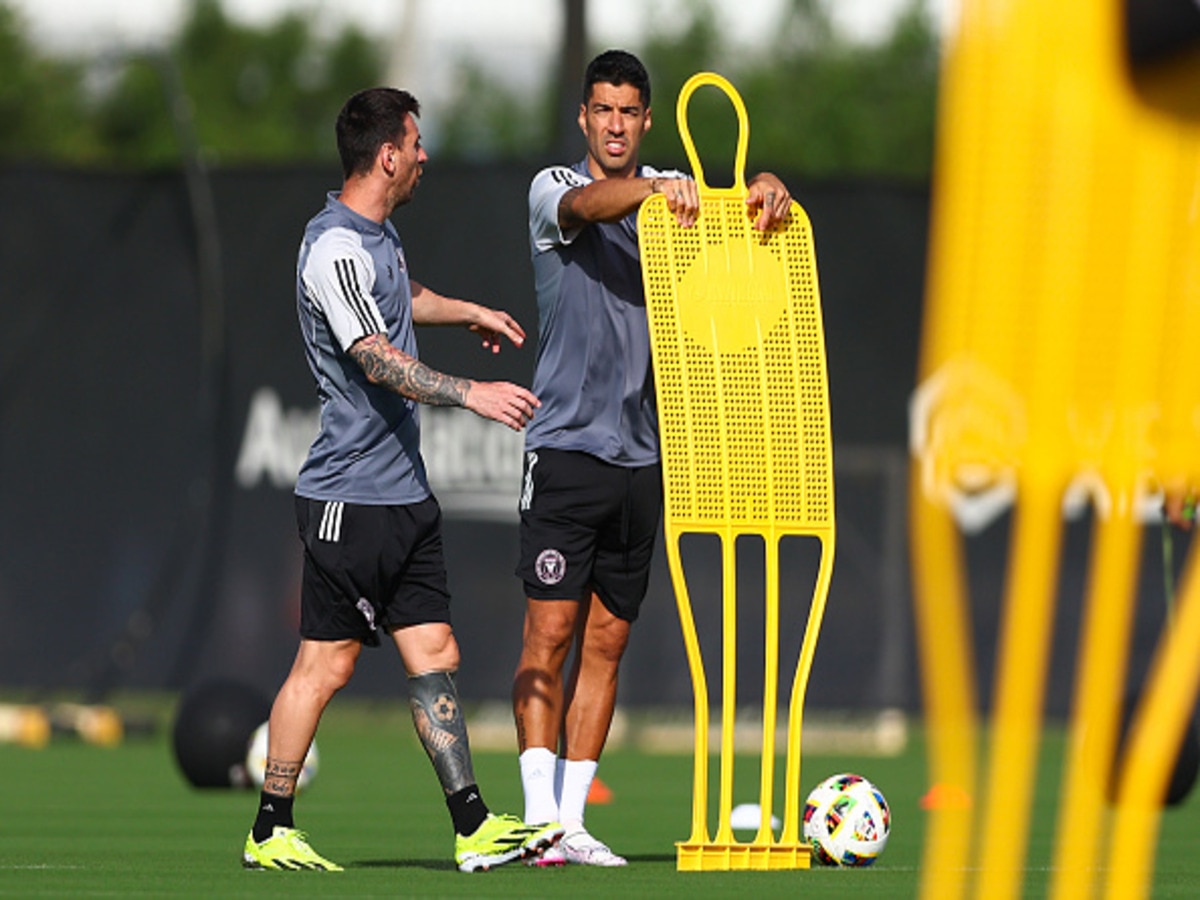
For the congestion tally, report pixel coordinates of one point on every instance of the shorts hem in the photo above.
(549, 593)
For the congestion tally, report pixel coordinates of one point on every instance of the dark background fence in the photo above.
(154, 404)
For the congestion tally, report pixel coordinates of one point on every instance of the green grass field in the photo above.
(84, 821)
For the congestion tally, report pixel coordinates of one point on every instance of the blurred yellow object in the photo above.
(25, 725)
(95, 724)
(1062, 314)
(743, 408)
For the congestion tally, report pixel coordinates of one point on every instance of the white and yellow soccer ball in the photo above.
(846, 821)
(256, 760)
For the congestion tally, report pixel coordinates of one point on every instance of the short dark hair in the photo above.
(369, 120)
(617, 67)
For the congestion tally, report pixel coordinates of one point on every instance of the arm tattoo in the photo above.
(280, 777)
(406, 375)
(442, 729)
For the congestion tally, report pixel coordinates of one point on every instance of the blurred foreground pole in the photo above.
(1062, 313)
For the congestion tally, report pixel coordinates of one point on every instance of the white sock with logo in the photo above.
(576, 782)
(537, 778)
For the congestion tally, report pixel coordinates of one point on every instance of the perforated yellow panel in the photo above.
(740, 368)
(743, 405)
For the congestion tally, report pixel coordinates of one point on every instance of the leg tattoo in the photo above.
(442, 729)
(280, 777)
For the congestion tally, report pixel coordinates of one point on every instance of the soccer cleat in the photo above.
(285, 849)
(579, 847)
(501, 839)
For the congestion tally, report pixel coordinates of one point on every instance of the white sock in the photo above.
(537, 778)
(576, 782)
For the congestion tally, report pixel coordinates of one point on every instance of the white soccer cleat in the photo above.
(581, 848)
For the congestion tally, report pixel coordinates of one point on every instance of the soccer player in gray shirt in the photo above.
(370, 526)
(591, 497)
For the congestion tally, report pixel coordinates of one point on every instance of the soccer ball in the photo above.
(847, 821)
(256, 760)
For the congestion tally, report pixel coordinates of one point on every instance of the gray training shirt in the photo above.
(352, 281)
(593, 372)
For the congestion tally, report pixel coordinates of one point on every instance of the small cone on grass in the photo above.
(599, 792)
(946, 796)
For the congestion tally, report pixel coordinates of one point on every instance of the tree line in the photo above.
(819, 104)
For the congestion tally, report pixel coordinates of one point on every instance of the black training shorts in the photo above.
(369, 568)
(588, 525)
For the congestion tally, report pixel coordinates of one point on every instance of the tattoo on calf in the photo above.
(280, 777)
(407, 375)
(443, 731)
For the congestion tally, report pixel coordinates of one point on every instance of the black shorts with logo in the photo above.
(370, 568)
(588, 525)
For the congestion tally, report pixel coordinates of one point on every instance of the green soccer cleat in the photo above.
(285, 849)
(501, 839)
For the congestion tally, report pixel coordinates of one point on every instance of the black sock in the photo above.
(272, 810)
(467, 809)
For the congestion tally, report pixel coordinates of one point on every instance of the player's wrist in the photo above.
(656, 184)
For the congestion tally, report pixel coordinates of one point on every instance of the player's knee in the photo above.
(446, 659)
(322, 669)
(445, 651)
(337, 672)
(549, 629)
(428, 649)
(607, 640)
